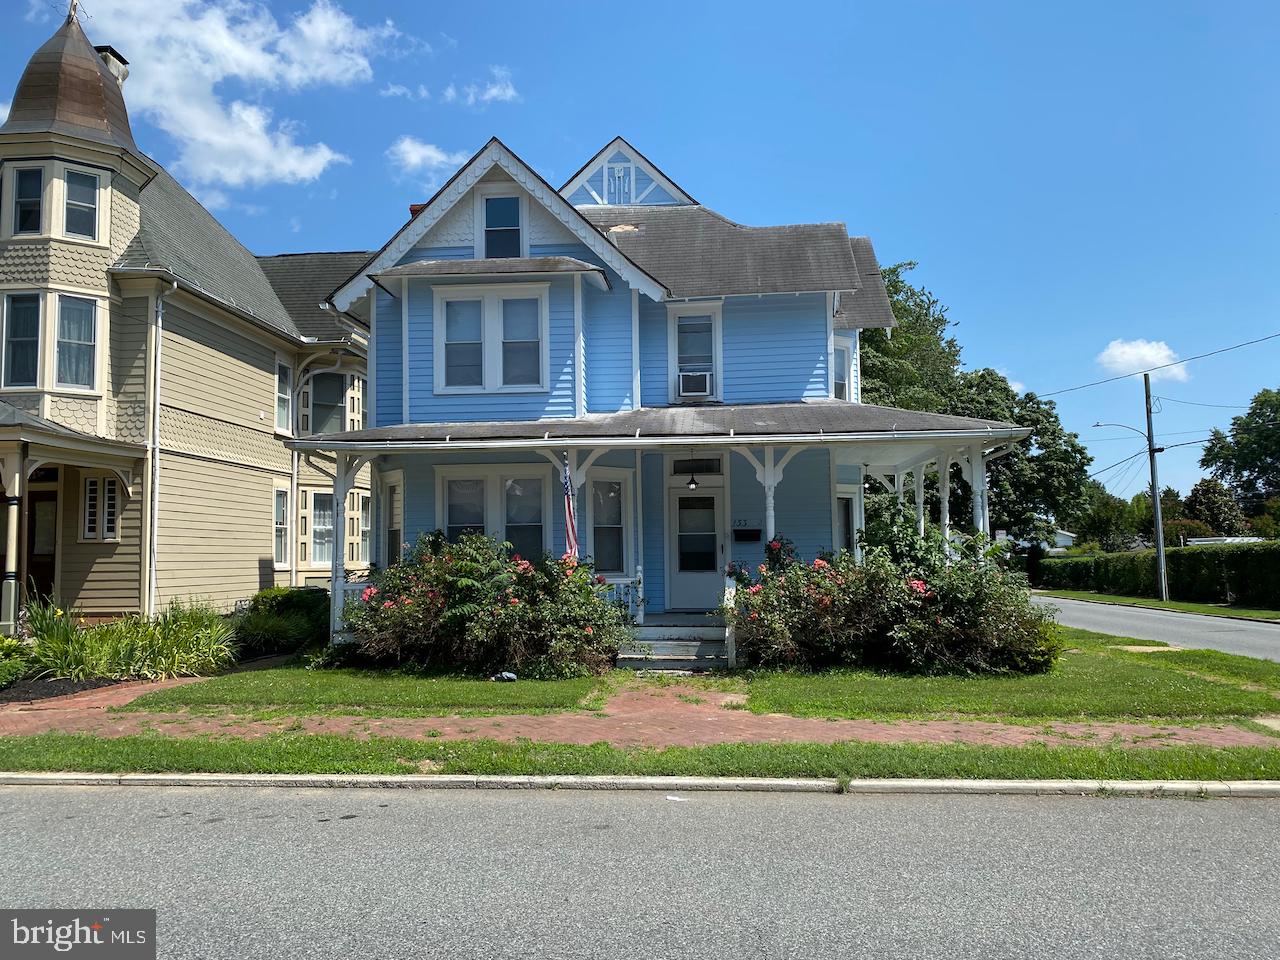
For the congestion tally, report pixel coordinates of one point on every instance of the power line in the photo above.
(1163, 366)
(1118, 463)
(1196, 403)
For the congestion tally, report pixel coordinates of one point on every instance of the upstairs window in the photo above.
(77, 339)
(284, 398)
(81, 214)
(840, 374)
(21, 339)
(501, 227)
(28, 201)
(695, 352)
(492, 339)
(328, 403)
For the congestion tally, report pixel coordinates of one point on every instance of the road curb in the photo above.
(1036, 788)
(1139, 606)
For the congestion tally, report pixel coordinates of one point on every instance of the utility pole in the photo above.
(1161, 572)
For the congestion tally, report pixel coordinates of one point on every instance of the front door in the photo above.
(696, 550)
(42, 540)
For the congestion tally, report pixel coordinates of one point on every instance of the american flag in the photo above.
(570, 524)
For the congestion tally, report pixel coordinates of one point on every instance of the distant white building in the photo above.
(1203, 541)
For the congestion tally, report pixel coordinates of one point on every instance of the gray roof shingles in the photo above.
(812, 417)
(868, 305)
(303, 280)
(508, 265)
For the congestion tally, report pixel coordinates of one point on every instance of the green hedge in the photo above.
(1244, 573)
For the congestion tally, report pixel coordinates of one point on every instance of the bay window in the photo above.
(80, 214)
(492, 339)
(21, 339)
(28, 201)
(328, 403)
(77, 340)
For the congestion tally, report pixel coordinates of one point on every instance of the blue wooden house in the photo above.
(698, 377)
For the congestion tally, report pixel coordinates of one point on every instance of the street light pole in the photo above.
(1162, 575)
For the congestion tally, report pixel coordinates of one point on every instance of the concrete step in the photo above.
(658, 632)
(690, 654)
(685, 647)
(672, 663)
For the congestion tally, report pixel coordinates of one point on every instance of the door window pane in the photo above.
(464, 507)
(27, 201)
(524, 517)
(696, 536)
(463, 343)
(502, 227)
(606, 518)
(521, 349)
(76, 335)
(322, 528)
(22, 340)
(82, 205)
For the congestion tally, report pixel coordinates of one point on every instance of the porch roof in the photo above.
(507, 266)
(801, 423)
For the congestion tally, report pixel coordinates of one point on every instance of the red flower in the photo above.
(754, 588)
(820, 564)
(919, 586)
(513, 601)
(754, 616)
(775, 545)
(600, 578)
(588, 630)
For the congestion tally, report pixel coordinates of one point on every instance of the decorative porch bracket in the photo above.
(769, 473)
(578, 467)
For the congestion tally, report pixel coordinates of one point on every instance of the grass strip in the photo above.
(1182, 606)
(312, 753)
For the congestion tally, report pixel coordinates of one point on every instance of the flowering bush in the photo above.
(470, 606)
(905, 608)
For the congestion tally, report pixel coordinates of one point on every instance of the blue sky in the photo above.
(1066, 175)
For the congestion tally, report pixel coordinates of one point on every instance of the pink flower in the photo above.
(369, 593)
(524, 566)
(761, 569)
(407, 601)
(600, 578)
(820, 564)
(513, 601)
(775, 545)
(386, 604)
(588, 630)
(919, 586)
(754, 616)
(754, 588)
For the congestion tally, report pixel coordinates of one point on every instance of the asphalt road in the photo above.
(250, 873)
(1180, 629)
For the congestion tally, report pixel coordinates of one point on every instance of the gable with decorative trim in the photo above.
(620, 175)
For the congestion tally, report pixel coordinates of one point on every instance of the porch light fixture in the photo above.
(693, 481)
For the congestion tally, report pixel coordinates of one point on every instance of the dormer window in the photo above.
(81, 205)
(28, 201)
(501, 227)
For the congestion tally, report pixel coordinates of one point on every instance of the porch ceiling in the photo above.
(901, 433)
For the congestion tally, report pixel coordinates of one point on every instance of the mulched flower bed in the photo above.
(41, 689)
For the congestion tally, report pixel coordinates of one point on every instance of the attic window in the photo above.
(501, 227)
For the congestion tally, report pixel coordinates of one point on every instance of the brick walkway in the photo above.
(643, 717)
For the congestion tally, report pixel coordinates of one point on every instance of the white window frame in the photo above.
(491, 297)
(845, 344)
(56, 331)
(338, 539)
(99, 487)
(42, 302)
(287, 429)
(613, 475)
(714, 308)
(311, 400)
(67, 171)
(11, 201)
(495, 477)
(364, 543)
(383, 508)
(277, 490)
(483, 192)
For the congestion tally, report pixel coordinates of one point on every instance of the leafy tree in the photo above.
(1212, 504)
(1103, 518)
(913, 365)
(1042, 478)
(1247, 457)
(1267, 524)
(1170, 509)
(1178, 531)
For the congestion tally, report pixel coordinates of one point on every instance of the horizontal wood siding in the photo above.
(426, 407)
(802, 504)
(100, 578)
(654, 388)
(127, 369)
(215, 530)
(655, 532)
(775, 348)
(388, 358)
(608, 346)
(214, 371)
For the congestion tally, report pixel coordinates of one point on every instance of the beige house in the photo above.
(152, 368)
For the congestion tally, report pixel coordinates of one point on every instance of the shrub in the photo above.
(185, 640)
(1245, 573)
(283, 620)
(14, 660)
(470, 606)
(905, 608)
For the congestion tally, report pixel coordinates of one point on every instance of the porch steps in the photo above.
(689, 650)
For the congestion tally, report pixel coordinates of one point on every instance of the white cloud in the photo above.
(497, 89)
(412, 155)
(1122, 357)
(185, 52)
(1016, 385)
(38, 11)
(399, 90)
(450, 94)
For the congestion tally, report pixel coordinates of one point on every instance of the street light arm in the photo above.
(1122, 426)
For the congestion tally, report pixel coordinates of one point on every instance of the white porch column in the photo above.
(899, 485)
(944, 494)
(917, 476)
(860, 513)
(770, 484)
(12, 502)
(978, 484)
(337, 568)
(639, 520)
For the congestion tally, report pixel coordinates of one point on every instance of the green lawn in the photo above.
(1091, 681)
(1182, 606)
(296, 690)
(303, 753)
